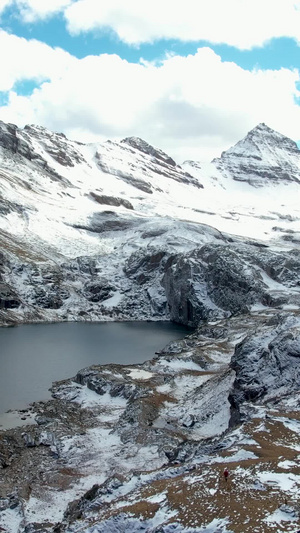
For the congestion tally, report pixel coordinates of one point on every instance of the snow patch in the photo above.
(286, 482)
(113, 301)
(282, 514)
(136, 373)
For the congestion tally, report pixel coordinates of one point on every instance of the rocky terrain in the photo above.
(119, 231)
(120, 448)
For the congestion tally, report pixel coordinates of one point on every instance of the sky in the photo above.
(191, 78)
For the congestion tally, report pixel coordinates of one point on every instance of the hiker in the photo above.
(226, 474)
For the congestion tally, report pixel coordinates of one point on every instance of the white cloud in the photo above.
(30, 60)
(240, 23)
(4, 4)
(192, 107)
(32, 10)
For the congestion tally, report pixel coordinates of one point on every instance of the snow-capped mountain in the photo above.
(70, 211)
(119, 231)
(263, 156)
(51, 187)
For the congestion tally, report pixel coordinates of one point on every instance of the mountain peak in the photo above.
(260, 131)
(262, 156)
(262, 126)
(266, 134)
(146, 148)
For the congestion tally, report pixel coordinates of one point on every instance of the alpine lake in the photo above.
(32, 356)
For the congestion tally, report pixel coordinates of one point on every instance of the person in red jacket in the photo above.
(225, 474)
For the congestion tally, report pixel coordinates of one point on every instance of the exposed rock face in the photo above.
(146, 148)
(212, 281)
(223, 280)
(263, 156)
(10, 140)
(111, 200)
(147, 162)
(101, 380)
(20, 143)
(267, 364)
(126, 177)
(98, 291)
(8, 297)
(107, 221)
(56, 145)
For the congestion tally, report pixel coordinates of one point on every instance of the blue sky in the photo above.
(191, 79)
(276, 53)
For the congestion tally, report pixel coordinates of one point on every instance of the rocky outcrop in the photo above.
(224, 280)
(56, 145)
(150, 162)
(142, 185)
(102, 380)
(98, 291)
(143, 146)
(103, 199)
(9, 299)
(107, 221)
(139, 265)
(10, 140)
(266, 364)
(20, 144)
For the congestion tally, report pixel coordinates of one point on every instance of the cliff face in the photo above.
(215, 280)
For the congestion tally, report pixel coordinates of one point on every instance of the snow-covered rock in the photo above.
(263, 156)
(267, 363)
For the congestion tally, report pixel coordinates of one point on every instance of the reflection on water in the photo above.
(33, 356)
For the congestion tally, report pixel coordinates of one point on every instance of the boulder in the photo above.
(9, 299)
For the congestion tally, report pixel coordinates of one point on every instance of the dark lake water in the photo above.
(33, 356)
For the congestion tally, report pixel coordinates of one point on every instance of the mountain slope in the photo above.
(52, 188)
